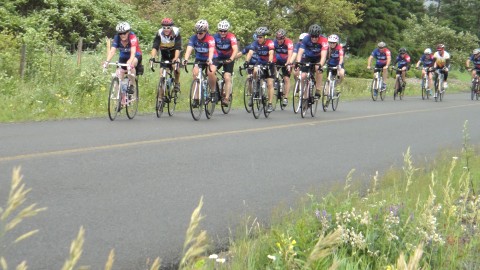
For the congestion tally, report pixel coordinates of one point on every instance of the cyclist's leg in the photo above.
(286, 81)
(227, 87)
(318, 82)
(212, 79)
(195, 71)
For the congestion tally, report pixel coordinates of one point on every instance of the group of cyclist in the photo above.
(221, 49)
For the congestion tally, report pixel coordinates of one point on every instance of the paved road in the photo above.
(134, 183)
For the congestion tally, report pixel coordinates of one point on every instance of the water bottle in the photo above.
(264, 86)
(281, 86)
(124, 85)
(204, 89)
(275, 85)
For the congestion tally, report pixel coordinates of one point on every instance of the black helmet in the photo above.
(315, 30)
(262, 31)
(402, 50)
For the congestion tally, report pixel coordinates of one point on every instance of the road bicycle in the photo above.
(425, 85)
(438, 82)
(475, 89)
(399, 88)
(330, 96)
(165, 90)
(121, 95)
(376, 87)
(200, 93)
(308, 101)
(220, 91)
(247, 89)
(259, 91)
(278, 88)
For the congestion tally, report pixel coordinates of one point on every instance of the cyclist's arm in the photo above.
(188, 51)
(299, 54)
(418, 63)
(271, 54)
(249, 56)
(289, 57)
(234, 53)
(111, 53)
(389, 59)
(369, 63)
(177, 47)
(293, 57)
(323, 57)
(467, 63)
(133, 50)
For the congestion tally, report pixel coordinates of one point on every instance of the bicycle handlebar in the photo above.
(200, 63)
(176, 63)
(118, 65)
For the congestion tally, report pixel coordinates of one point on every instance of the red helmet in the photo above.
(167, 22)
(440, 47)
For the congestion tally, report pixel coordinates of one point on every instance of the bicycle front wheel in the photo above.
(326, 97)
(335, 100)
(247, 94)
(210, 102)
(296, 96)
(424, 89)
(374, 89)
(160, 100)
(172, 100)
(304, 99)
(114, 99)
(196, 105)
(226, 109)
(313, 101)
(132, 102)
(256, 100)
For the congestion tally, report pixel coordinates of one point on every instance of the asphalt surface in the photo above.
(133, 184)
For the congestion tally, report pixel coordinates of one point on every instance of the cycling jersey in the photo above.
(312, 50)
(254, 58)
(402, 61)
(381, 57)
(334, 55)
(475, 61)
(167, 45)
(441, 60)
(202, 46)
(281, 51)
(263, 50)
(427, 60)
(125, 50)
(225, 45)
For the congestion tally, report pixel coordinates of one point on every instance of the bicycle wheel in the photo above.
(172, 99)
(397, 89)
(313, 101)
(132, 102)
(210, 102)
(247, 94)
(402, 92)
(424, 90)
(374, 89)
(160, 100)
(326, 97)
(473, 87)
(296, 96)
(196, 105)
(276, 92)
(281, 96)
(114, 100)
(265, 103)
(304, 99)
(226, 109)
(256, 100)
(335, 99)
(441, 92)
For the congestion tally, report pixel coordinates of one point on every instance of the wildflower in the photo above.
(213, 256)
(455, 158)
(221, 260)
(272, 257)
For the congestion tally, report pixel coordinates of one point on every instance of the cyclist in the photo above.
(427, 60)
(335, 56)
(283, 53)
(130, 53)
(383, 57)
(442, 62)
(169, 42)
(315, 47)
(204, 45)
(265, 50)
(227, 48)
(245, 51)
(296, 47)
(475, 59)
(403, 63)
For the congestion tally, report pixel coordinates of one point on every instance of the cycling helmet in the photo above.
(315, 30)
(381, 44)
(402, 50)
(427, 51)
(223, 25)
(123, 27)
(201, 25)
(302, 35)
(476, 51)
(281, 33)
(262, 31)
(167, 22)
(333, 38)
(440, 47)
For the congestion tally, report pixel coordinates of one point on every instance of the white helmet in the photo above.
(476, 51)
(201, 25)
(333, 38)
(123, 27)
(302, 36)
(223, 25)
(427, 51)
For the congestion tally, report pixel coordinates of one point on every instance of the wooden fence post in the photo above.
(79, 51)
(23, 52)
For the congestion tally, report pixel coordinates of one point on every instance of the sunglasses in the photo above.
(124, 33)
(200, 33)
(259, 36)
(314, 36)
(282, 38)
(167, 27)
(222, 31)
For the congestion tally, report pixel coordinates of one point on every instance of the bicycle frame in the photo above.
(259, 91)
(376, 87)
(198, 91)
(164, 90)
(307, 88)
(330, 83)
(438, 82)
(118, 97)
